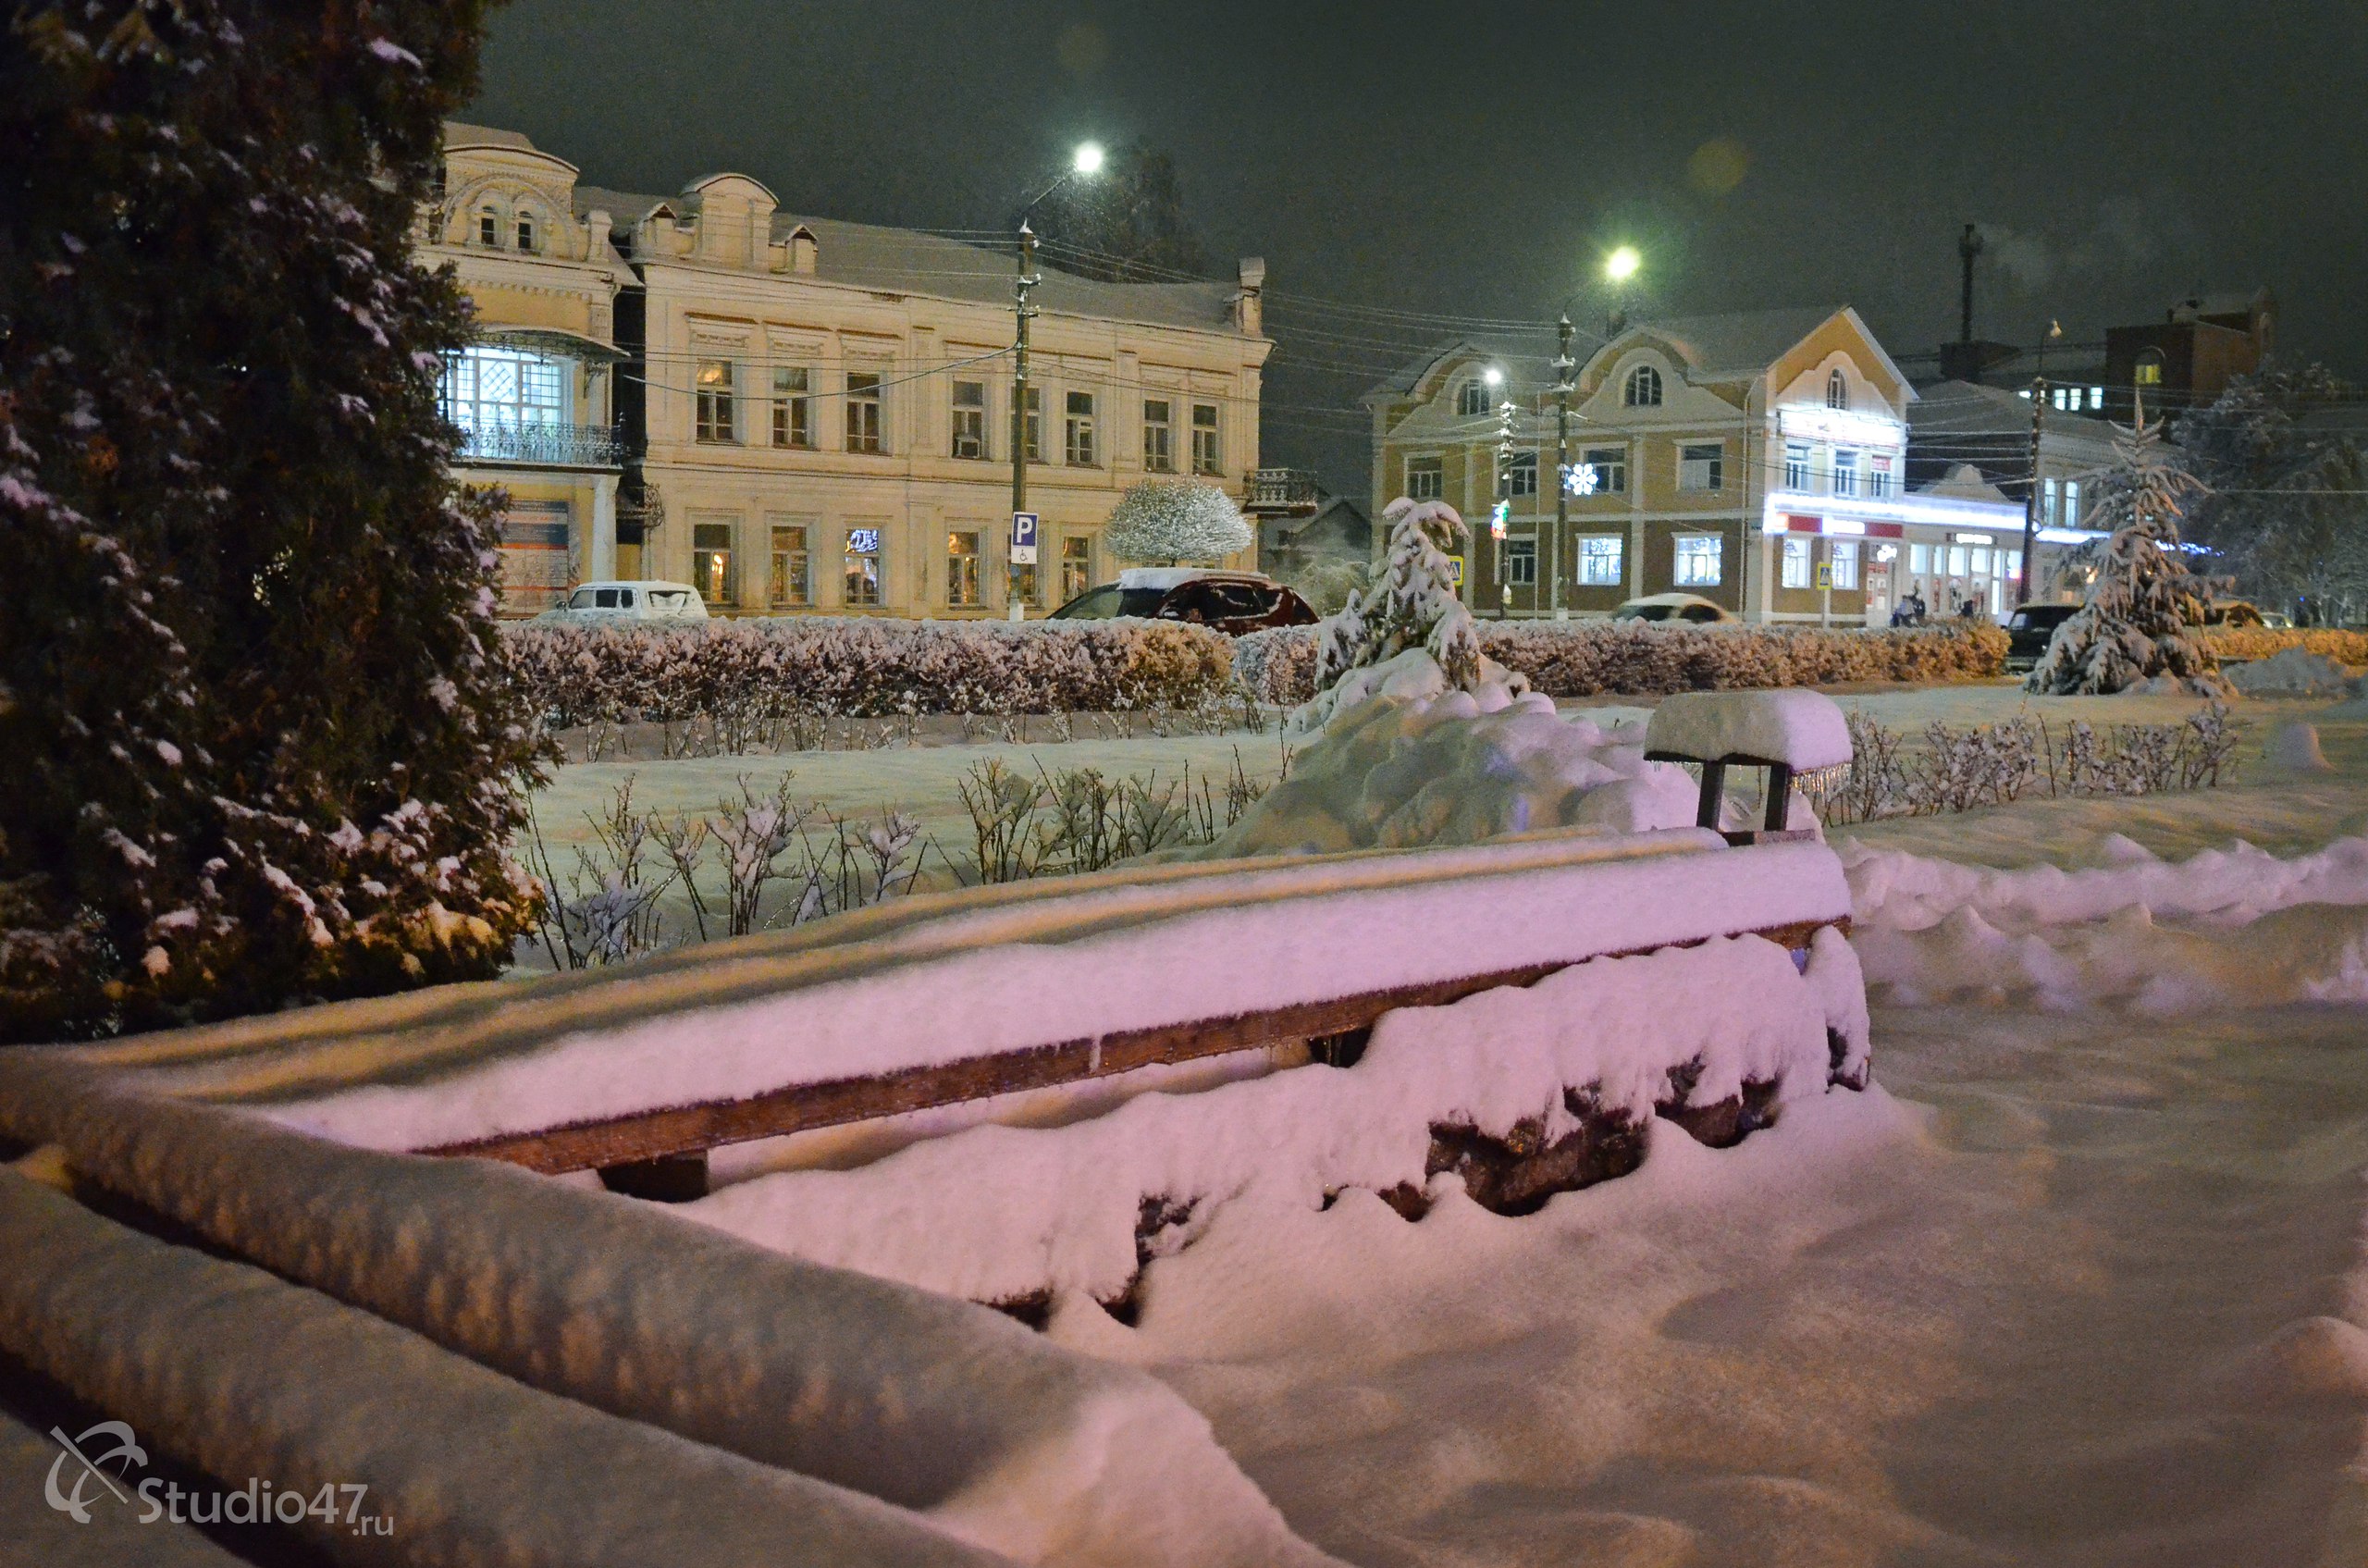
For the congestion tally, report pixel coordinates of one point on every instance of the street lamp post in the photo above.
(2031, 502)
(1563, 365)
(1086, 162)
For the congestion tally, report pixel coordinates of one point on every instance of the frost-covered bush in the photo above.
(2233, 643)
(1169, 522)
(1627, 657)
(864, 668)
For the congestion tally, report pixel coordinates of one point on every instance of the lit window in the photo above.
(961, 568)
(1702, 467)
(1521, 562)
(793, 408)
(2148, 371)
(1077, 566)
(1600, 561)
(1205, 454)
(1956, 561)
(1980, 562)
(1426, 478)
(1843, 556)
(793, 572)
(969, 419)
(1845, 473)
(1919, 560)
(1796, 465)
(2096, 397)
(862, 567)
(863, 412)
(2071, 503)
(487, 389)
(1644, 388)
(1473, 398)
(2047, 503)
(1520, 476)
(1610, 465)
(711, 560)
(1078, 430)
(1795, 567)
(1837, 389)
(1879, 477)
(714, 414)
(1699, 559)
(1159, 433)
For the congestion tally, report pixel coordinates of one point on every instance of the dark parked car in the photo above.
(1232, 602)
(2029, 628)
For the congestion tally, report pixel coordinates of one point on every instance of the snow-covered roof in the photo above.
(1964, 482)
(1967, 408)
(1527, 358)
(904, 261)
(460, 134)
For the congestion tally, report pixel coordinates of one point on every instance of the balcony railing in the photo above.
(571, 446)
(1282, 492)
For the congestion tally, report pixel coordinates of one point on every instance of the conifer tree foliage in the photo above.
(1168, 521)
(2133, 625)
(256, 739)
(1414, 605)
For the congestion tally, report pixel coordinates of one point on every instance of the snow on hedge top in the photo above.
(1804, 730)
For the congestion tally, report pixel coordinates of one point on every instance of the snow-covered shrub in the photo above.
(2137, 623)
(864, 668)
(1170, 522)
(2231, 643)
(1399, 772)
(1627, 658)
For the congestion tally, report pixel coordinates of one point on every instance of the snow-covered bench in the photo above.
(1788, 733)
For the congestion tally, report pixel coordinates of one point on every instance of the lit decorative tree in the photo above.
(1168, 521)
(2133, 625)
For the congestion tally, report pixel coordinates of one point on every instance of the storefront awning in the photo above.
(552, 341)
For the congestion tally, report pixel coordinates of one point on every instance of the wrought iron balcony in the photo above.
(1282, 492)
(566, 446)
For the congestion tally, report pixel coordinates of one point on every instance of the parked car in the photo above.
(1232, 602)
(605, 604)
(1693, 609)
(2030, 627)
(2276, 620)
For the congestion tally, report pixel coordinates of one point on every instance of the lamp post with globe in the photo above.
(1617, 268)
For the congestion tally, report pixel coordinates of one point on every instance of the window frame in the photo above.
(1716, 554)
(1837, 389)
(965, 587)
(1032, 421)
(715, 415)
(1845, 470)
(1076, 556)
(793, 407)
(967, 425)
(1610, 465)
(1159, 455)
(1080, 412)
(1472, 398)
(790, 567)
(1590, 559)
(1714, 471)
(865, 413)
(1521, 476)
(1794, 567)
(1521, 561)
(1432, 466)
(717, 579)
(1842, 565)
(862, 566)
(1800, 465)
(1640, 380)
(1212, 461)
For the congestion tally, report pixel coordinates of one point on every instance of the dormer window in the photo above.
(1837, 389)
(1472, 398)
(1643, 388)
(489, 227)
(525, 231)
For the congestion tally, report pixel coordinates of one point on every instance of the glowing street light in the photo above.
(1493, 377)
(1087, 161)
(1622, 265)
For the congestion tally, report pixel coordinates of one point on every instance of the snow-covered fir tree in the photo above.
(1414, 605)
(2135, 623)
(257, 743)
(1170, 522)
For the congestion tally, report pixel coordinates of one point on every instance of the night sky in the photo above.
(1476, 162)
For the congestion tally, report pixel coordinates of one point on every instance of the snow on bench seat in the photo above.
(961, 978)
(1800, 729)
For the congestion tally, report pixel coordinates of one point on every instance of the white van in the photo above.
(603, 604)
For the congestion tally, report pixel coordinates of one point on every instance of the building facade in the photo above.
(1757, 459)
(534, 396)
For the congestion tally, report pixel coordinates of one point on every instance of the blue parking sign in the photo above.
(1023, 539)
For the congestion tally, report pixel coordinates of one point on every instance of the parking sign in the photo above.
(1023, 539)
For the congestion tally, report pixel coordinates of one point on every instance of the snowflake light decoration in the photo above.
(1579, 478)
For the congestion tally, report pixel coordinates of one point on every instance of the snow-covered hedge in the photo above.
(864, 666)
(1593, 658)
(2261, 642)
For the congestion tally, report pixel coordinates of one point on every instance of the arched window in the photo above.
(1837, 389)
(1473, 397)
(488, 226)
(525, 231)
(2149, 372)
(1644, 388)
